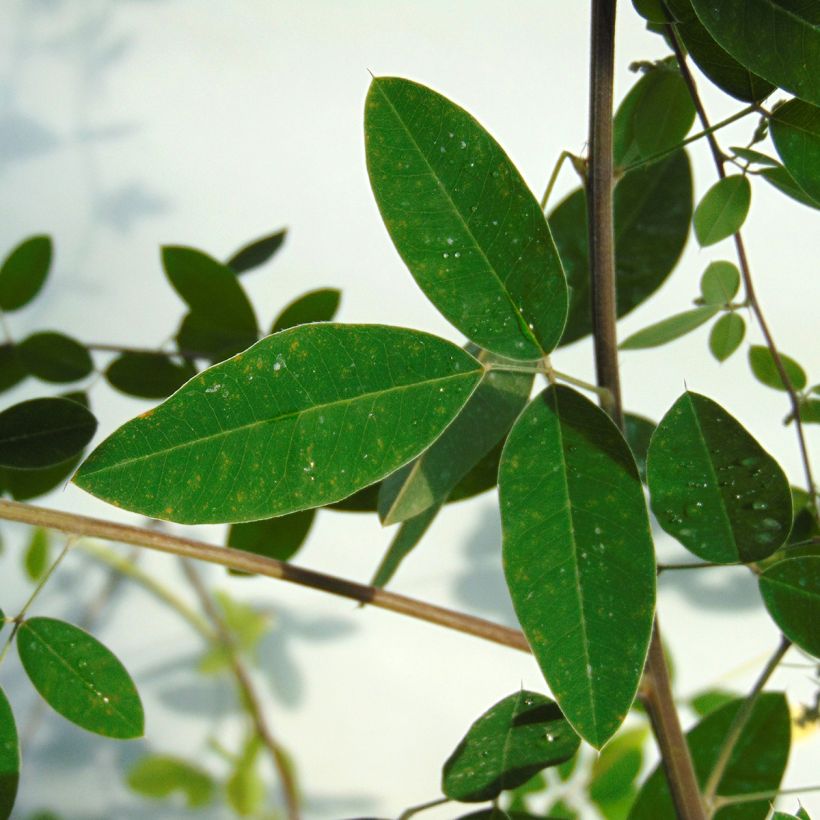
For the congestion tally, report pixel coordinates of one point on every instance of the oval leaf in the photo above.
(722, 210)
(24, 272)
(766, 372)
(37, 556)
(256, 253)
(719, 283)
(795, 130)
(9, 758)
(316, 306)
(463, 220)
(578, 556)
(159, 776)
(203, 337)
(148, 375)
(54, 357)
(713, 487)
(79, 678)
(518, 737)
(44, 432)
(726, 336)
(669, 329)
(304, 418)
(278, 538)
(781, 179)
(791, 592)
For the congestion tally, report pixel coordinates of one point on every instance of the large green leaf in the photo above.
(24, 272)
(723, 209)
(9, 758)
(278, 538)
(669, 329)
(653, 209)
(776, 39)
(55, 357)
(463, 220)
(304, 418)
(520, 735)
(791, 592)
(44, 432)
(713, 487)
(756, 765)
(148, 375)
(80, 678)
(160, 776)
(795, 130)
(578, 556)
(316, 306)
(256, 253)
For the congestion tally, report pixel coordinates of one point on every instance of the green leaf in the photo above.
(781, 179)
(765, 371)
(519, 736)
(79, 678)
(148, 375)
(723, 209)
(756, 765)
(795, 130)
(776, 39)
(24, 272)
(720, 283)
(23, 485)
(726, 336)
(304, 418)
(463, 220)
(256, 253)
(614, 771)
(9, 758)
(245, 789)
(754, 157)
(404, 542)
(791, 592)
(44, 432)
(651, 10)
(316, 306)
(653, 209)
(707, 702)
(713, 487)
(578, 556)
(669, 329)
(273, 537)
(203, 337)
(638, 432)
(247, 626)
(37, 554)
(54, 357)
(12, 371)
(810, 411)
(159, 776)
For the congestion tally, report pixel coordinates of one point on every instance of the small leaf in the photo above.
(316, 306)
(723, 209)
(9, 758)
(278, 538)
(256, 253)
(79, 678)
(766, 372)
(638, 432)
(669, 329)
(463, 220)
(720, 283)
(44, 432)
(247, 627)
(726, 336)
(614, 771)
(781, 179)
(404, 542)
(810, 411)
(304, 418)
(713, 487)
(202, 337)
(795, 129)
(519, 736)
(12, 371)
(37, 554)
(159, 776)
(245, 789)
(23, 485)
(791, 592)
(24, 272)
(757, 764)
(148, 375)
(776, 39)
(578, 556)
(707, 702)
(651, 10)
(754, 157)
(54, 357)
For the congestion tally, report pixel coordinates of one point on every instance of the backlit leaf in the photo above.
(707, 702)
(24, 272)
(463, 220)
(519, 736)
(669, 329)
(273, 537)
(148, 375)
(54, 357)
(766, 372)
(304, 418)
(9, 758)
(791, 592)
(79, 678)
(159, 776)
(256, 253)
(36, 556)
(726, 336)
(713, 487)
(316, 306)
(245, 789)
(614, 771)
(795, 130)
(781, 179)
(404, 542)
(578, 556)
(720, 283)
(754, 157)
(723, 209)
(810, 411)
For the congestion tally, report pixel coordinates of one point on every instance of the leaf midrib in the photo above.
(51, 431)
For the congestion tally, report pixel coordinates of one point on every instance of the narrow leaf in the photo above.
(722, 210)
(518, 737)
(79, 678)
(273, 537)
(463, 220)
(578, 556)
(713, 487)
(245, 789)
(54, 357)
(766, 372)
(720, 283)
(304, 418)
(791, 592)
(9, 758)
(24, 272)
(316, 306)
(404, 542)
(795, 130)
(37, 554)
(256, 253)
(754, 157)
(726, 336)
(148, 375)
(160, 776)
(669, 329)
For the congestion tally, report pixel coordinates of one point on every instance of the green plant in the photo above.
(399, 422)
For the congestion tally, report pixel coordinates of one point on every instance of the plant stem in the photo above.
(657, 690)
(413, 810)
(700, 565)
(565, 155)
(103, 347)
(751, 797)
(82, 525)
(739, 724)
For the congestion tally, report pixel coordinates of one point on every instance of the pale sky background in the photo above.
(127, 125)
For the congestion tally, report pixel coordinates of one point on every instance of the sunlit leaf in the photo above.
(720, 283)
(520, 735)
(723, 209)
(148, 375)
(781, 179)
(791, 592)
(669, 329)
(54, 357)
(578, 556)
(256, 253)
(765, 371)
(304, 418)
(9, 758)
(273, 537)
(160, 776)
(316, 306)
(24, 272)
(713, 487)
(79, 678)
(726, 336)
(795, 130)
(12, 371)
(463, 220)
(756, 766)
(37, 554)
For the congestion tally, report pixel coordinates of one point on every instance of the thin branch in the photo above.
(413, 810)
(82, 525)
(752, 797)
(104, 347)
(700, 565)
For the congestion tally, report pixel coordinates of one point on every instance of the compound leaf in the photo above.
(791, 592)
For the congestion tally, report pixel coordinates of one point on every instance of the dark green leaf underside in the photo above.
(791, 592)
